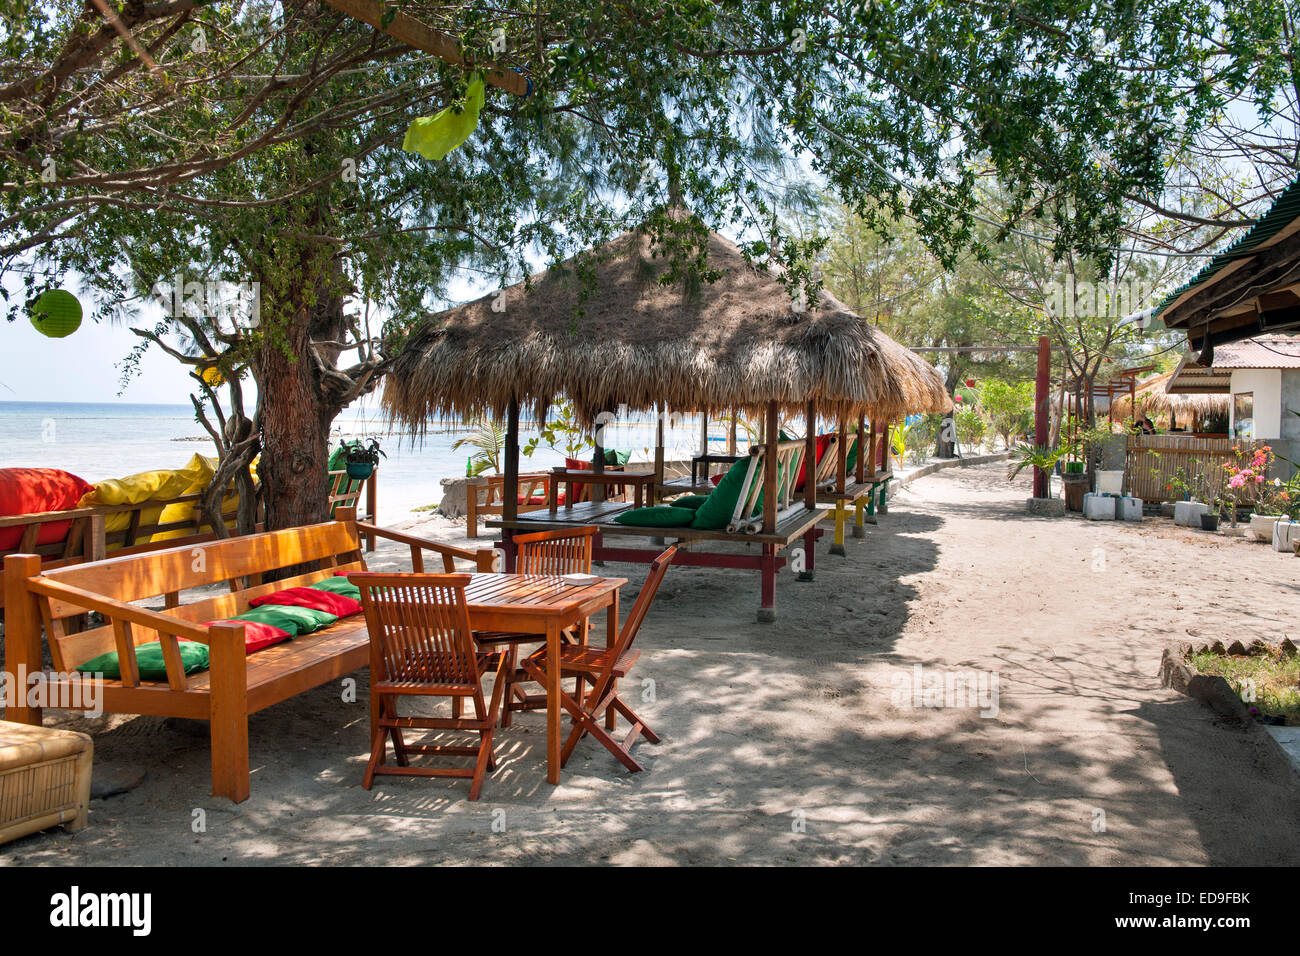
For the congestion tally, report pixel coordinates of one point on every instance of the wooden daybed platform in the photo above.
(783, 524)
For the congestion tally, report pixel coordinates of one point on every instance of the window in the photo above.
(1243, 415)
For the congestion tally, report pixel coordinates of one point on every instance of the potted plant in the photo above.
(1044, 459)
(360, 458)
(1210, 519)
(1246, 479)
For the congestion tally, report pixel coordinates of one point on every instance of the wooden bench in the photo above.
(40, 601)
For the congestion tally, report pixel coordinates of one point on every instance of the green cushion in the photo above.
(613, 457)
(338, 585)
(296, 620)
(716, 511)
(690, 501)
(149, 660)
(660, 516)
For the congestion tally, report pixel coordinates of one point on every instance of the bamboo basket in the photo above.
(44, 779)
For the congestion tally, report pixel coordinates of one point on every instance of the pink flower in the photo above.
(1236, 481)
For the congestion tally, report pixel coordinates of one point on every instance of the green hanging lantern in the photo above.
(433, 137)
(56, 313)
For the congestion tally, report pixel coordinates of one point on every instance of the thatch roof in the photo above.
(1154, 399)
(732, 343)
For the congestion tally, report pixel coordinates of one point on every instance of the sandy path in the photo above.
(769, 728)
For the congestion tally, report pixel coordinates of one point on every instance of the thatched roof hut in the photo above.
(604, 331)
(1153, 398)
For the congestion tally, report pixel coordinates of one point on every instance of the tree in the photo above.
(229, 159)
(1006, 405)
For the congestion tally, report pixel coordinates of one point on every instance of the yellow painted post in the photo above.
(859, 527)
(838, 546)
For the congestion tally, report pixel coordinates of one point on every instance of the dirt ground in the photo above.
(799, 741)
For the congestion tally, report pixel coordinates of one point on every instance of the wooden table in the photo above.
(543, 604)
(642, 483)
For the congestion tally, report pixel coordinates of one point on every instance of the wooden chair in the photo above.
(542, 552)
(421, 646)
(603, 667)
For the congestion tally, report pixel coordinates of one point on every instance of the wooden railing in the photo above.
(484, 496)
(1152, 463)
(789, 456)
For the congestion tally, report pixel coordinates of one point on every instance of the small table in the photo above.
(543, 604)
(642, 483)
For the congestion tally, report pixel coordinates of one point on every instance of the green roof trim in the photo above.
(1281, 214)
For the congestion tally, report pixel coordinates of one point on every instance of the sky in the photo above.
(82, 367)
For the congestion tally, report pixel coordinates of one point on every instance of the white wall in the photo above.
(1266, 383)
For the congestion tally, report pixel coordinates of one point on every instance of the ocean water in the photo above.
(111, 440)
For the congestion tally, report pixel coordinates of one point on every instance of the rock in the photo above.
(1046, 507)
(454, 496)
(114, 781)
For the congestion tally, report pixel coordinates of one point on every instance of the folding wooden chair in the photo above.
(542, 552)
(421, 646)
(603, 667)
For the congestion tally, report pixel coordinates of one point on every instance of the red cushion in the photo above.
(823, 442)
(540, 499)
(577, 464)
(256, 634)
(25, 491)
(337, 604)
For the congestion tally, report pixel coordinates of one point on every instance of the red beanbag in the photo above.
(577, 464)
(256, 636)
(823, 442)
(339, 605)
(717, 478)
(25, 491)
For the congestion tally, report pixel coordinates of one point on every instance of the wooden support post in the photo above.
(22, 635)
(731, 434)
(862, 448)
(704, 432)
(372, 505)
(767, 572)
(1042, 481)
(841, 481)
(228, 717)
(871, 451)
(659, 454)
(510, 493)
(809, 485)
(771, 437)
(597, 466)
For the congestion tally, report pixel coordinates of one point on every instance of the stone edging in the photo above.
(1218, 695)
(905, 480)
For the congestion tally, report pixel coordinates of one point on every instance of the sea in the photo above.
(112, 440)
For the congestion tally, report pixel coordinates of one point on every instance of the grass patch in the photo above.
(432, 507)
(1276, 680)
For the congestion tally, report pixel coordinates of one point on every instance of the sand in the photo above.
(792, 742)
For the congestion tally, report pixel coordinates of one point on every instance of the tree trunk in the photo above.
(295, 432)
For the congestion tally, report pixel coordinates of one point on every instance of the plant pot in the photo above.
(1188, 513)
(1286, 534)
(1167, 509)
(360, 469)
(1076, 486)
(1210, 521)
(1261, 526)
